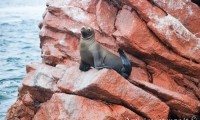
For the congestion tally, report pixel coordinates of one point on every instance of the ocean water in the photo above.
(19, 45)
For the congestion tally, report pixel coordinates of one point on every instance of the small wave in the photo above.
(4, 24)
(9, 84)
(27, 47)
(12, 59)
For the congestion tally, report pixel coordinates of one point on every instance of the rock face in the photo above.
(160, 37)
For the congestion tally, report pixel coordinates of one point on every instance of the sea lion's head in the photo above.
(87, 32)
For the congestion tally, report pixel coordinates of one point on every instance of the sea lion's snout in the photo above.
(82, 29)
(86, 32)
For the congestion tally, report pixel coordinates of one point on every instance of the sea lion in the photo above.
(93, 54)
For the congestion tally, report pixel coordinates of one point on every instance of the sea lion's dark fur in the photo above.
(93, 54)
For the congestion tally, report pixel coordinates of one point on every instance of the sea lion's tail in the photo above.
(127, 68)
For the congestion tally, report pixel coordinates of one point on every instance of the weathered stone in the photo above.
(184, 104)
(185, 11)
(145, 9)
(176, 36)
(51, 55)
(135, 33)
(87, 5)
(73, 107)
(168, 80)
(41, 82)
(27, 99)
(106, 15)
(19, 110)
(139, 74)
(132, 39)
(183, 80)
(110, 86)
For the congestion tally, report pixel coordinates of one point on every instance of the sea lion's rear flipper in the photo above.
(127, 68)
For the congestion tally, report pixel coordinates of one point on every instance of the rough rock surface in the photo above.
(73, 107)
(160, 37)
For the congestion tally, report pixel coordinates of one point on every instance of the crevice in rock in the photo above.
(171, 49)
(160, 41)
(197, 2)
(155, 4)
(154, 93)
(115, 22)
(116, 3)
(100, 30)
(54, 29)
(107, 45)
(104, 99)
(189, 87)
(137, 112)
(172, 115)
(150, 75)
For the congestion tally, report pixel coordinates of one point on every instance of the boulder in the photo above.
(41, 81)
(177, 37)
(183, 106)
(183, 10)
(109, 86)
(146, 10)
(72, 107)
(106, 15)
(19, 111)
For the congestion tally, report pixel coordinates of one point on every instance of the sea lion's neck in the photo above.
(89, 40)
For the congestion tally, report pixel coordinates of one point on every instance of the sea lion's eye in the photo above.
(89, 30)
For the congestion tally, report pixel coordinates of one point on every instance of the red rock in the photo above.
(19, 110)
(87, 5)
(132, 39)
(108, 41)
(135, 32)
(145, 9)
(184, 104)
(78, 15)
(58, 24)
(47, 33)
(139, 74)
(106, 15)
(32, 67)
(51, 55)
(68, 64)
(27, 99)
(41, 83)
(26, 118)
(73, 107)
(185, 81)
(75, 14)
(69, 46)
(177, 37)
(110, 86)
(185, 11)
(169, 79)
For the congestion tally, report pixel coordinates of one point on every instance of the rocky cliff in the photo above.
(160, 37)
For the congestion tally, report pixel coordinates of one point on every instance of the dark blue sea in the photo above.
(19, 45)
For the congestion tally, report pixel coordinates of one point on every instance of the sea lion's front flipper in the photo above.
(84, 66)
